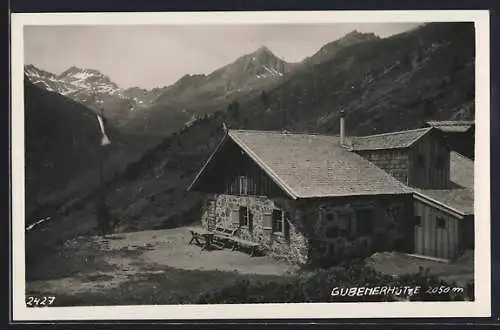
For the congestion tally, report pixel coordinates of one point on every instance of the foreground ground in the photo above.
(391, 263)
(156, 265)
(159, 267)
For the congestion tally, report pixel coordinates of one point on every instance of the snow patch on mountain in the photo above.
(88, 86)
(191, 120)
(272, 71)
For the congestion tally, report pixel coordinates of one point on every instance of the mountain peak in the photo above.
(32, 71)
(330, 49)
(355, 34)
(76, 70)
(262, 52)
(263, 49)
(71, 70)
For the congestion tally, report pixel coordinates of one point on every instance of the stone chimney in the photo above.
(342, 127)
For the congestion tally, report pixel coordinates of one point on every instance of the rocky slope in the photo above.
(247, 72)
(194, 96)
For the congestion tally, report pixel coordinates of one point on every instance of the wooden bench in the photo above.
(203, 237)
(224, 231)
(223, 235)
(238, 242)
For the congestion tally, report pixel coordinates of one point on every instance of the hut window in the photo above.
(243, 216)
(277, 221)
(365, 221)
(440, 223)
(420, 160)
(281, 224)
(417, 220)
(243, 185)
(440, 161)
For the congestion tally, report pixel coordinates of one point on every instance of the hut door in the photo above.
(211, 219)
(419, 247)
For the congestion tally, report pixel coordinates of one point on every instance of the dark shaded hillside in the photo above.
(59, 135)
(384, 85)
(62, 142)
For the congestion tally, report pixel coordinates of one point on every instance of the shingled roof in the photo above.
(393, 140)
(310, 166)
(452, 126)
(460, 200)
(461, 170)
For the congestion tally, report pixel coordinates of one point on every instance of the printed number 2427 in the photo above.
(34, 301)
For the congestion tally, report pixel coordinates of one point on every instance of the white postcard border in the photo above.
(481, 307)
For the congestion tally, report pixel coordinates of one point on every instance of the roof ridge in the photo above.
(278, 132)
(443, 189)
(460, 155)
(396, 132)
(452, 122)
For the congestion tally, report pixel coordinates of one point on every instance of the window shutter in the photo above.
(286, 226)
(250, 221)
(267, 221)
(241, 218)
(235, 217)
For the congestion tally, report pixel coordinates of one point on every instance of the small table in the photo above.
(241, 242)
(207, 236)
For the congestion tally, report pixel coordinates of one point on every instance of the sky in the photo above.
(156, 56)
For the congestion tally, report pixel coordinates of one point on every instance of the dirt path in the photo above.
(170, 248)
(94, 264)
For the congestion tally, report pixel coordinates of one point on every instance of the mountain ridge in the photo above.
(169, 108)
